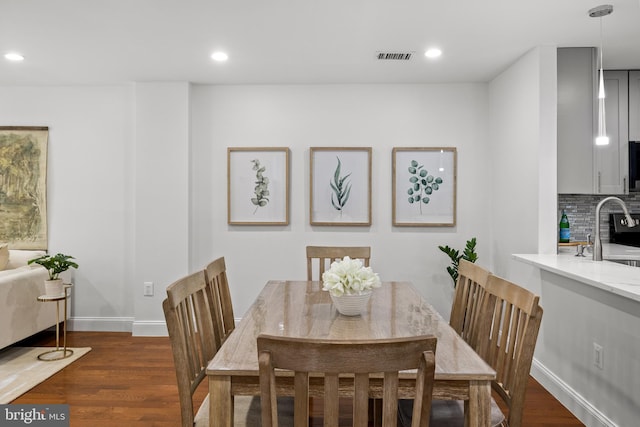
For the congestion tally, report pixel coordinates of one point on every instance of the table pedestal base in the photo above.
(57, 354)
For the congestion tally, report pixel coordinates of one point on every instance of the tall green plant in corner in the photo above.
(469, 254)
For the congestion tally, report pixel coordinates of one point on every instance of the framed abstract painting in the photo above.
(23, 186)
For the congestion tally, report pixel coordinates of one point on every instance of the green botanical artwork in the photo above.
(422, 185)
(23, 203)
(261, 189)
(341, 189)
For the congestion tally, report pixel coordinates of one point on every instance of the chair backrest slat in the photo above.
(220, 295)
(467, 300)
(327, 254)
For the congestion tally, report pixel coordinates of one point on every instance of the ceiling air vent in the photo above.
(394, 56)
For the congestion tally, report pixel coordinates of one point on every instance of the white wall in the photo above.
(299, 117)
(88, 187)
(523, 149)
(137, 224)
(161, 182)
(122, 171)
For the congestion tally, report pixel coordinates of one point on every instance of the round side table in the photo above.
(64, 352)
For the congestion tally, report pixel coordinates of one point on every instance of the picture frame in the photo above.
(424, 184)
(258, 185)
(23, 191)
(340, 186)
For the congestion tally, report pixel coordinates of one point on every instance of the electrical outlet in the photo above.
(148, 289)
(598, 355)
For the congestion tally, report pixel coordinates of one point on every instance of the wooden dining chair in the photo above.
(327, 254)
(510, 342)
(193, 325)
(191, 331)
(337, 358)
(507, 343)
(467, 300)
(220, 297)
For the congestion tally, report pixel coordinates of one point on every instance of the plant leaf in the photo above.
(261, 190)
(469, 254)
(341, 188)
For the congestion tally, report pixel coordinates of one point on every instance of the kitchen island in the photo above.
(588, 349)
(607, 275)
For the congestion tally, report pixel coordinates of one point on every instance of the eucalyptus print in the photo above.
(422, 185)
(261, 189)
(341, 189)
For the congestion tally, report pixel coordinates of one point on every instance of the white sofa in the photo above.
(21, 315)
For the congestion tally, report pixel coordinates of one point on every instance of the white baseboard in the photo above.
(150, 328)
(154, 328)
(572, 400)
(147, 328)
(100, 324)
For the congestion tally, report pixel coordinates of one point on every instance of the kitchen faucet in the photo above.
(597, 244)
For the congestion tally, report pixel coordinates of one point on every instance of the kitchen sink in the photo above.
(630, 262)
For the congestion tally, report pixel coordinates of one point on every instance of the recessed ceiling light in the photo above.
(12, 56)
(219, 56)
(433, 53)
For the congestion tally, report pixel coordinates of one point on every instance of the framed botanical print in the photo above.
(23, 186)
(340, 186)
(258, 186)
(424, 187)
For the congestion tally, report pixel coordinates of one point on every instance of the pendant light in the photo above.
(601, 138)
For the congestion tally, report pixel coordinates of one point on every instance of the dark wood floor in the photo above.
(130, 381)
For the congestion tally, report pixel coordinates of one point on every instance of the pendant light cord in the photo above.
(602, 121)
(601, 138)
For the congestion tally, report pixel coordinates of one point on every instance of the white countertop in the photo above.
(610, 276)
(613, 251)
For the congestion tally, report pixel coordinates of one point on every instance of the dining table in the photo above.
(302, 309)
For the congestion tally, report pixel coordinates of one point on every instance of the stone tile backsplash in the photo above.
(581, 212)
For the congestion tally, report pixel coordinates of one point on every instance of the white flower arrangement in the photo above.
(349, 277)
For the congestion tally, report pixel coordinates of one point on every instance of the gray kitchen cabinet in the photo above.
(583, 167)
(634, 105)
(612, 160)
(576, 102)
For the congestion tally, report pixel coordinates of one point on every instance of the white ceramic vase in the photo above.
(351, 305)
(53, 287)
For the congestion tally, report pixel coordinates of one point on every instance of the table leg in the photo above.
(477, 410)
(64, 325)
(220, 401)
(57, 325)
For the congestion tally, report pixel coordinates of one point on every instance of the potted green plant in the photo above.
(469, 254)
(55, 264)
